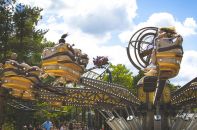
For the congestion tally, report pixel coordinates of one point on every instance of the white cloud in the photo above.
(159, 19)
(190, 22)
(87, 15)
(186, 28)
(92, 44)
(188, 68)
(125, 36)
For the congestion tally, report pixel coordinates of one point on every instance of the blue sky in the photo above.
(104, 27)
(180, 9)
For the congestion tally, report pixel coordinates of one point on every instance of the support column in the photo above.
(97, 121)
(164, 121)
(76, 114)
(148, 121)
(100, 120)
(2, 105)
(83, 115)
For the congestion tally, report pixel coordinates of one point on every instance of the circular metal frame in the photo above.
(138, 50)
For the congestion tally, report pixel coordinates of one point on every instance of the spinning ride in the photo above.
(156, 51)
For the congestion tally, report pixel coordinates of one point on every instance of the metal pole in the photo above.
(159, 90)
(110, 75)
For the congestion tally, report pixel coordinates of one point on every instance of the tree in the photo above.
(121, 75)
(34, 58)
(173, 87)
(27, 40)
(6, 28)
(19, 33)
(137, 77)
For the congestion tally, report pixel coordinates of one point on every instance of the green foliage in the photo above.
(16, 118)
(8, 126)
(173, 87)
(46, 111)
(20, 35)
(6, 28)
(26, 40)
(137, 77)
(135, 81)
(121, 75)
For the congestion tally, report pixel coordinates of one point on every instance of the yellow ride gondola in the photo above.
(20, 79)
(17, 82)
(14, 76)
(169, 52)
(61, 64)
(64, 61)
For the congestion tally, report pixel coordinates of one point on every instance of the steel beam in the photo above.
(115, 90)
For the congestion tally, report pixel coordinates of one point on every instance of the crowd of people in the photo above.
(73, 126)
(48, 125)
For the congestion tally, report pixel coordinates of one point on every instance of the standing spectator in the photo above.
(25, 127)
(30, 127)
(38, 127)
(67, 125)
(47, 125)
(62, 126)
(70, 127)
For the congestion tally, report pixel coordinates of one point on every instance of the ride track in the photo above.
(110, 95)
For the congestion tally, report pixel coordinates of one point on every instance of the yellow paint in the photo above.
(62, 73)
(16, 86)
(167, 54)
(141, 95)
(9, 66)
(49, 62)
(20, 79)
(9, 73)
(166, 94)
(151, 97)
(168, 65)
(66, 74)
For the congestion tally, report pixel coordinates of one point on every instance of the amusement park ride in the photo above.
(156, 51)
